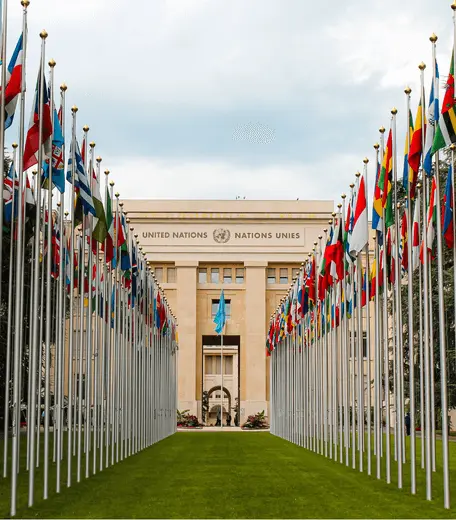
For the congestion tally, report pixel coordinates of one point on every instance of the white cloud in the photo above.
(305, 65)
(166, 179)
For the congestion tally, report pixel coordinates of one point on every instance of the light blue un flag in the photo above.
(220, 317)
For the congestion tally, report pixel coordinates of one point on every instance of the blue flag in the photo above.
(220, 317)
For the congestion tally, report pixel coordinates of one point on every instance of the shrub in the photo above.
(256, 422)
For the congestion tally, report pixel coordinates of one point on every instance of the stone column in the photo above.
(255, 338)
(186, 278)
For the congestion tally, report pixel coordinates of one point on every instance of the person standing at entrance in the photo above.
(407, 424)
(219, 418)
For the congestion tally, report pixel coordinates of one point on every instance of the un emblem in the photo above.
(221, 236)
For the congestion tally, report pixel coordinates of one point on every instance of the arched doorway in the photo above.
(214, 404)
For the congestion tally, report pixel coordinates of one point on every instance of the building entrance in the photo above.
(220, 380)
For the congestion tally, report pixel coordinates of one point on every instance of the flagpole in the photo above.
(377, 346)
(10, 318)
(345, 353)
(368, 326)
(71, 332)
(411, 341)
(453, 218)
(61, 323)
(442, 331)
(36, 288)
(4, 27)
(48, 285)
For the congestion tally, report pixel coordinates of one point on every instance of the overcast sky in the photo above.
(267, 99)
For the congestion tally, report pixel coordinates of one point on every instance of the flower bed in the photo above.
(256, 422)
(185, 420)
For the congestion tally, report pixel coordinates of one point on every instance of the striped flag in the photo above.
(433, 119)
(359, 238)
(445, 133)
(447, 214)
(385, 181)
(80, 180)
(13, 82)
(416, 149)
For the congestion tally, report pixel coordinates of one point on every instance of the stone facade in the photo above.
(251, 249)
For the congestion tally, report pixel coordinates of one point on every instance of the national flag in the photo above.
(32, 144)
(311, 282)
(13, 82)
(100, 230)
(448, 208)
(432, 216)
(8, 195)
(416, 236)
(220, 317)
(373, 277)
(58, 160)
(55, 262)
(385, 181)
(347, 232)
(336, 252)
(416, 148)
(433, 119)
(408, 172)
(404, 242)
(377, 209)
(359, 238)
(445, 133)
(109, 243)
(80, 179)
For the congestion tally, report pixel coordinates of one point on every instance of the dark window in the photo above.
(271, 275)
(215, 304)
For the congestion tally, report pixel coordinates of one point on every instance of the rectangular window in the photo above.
(283, 275)
(208, 365)
(295, 272)
(159, 274)
(228, 365)
(215, 275)
(354, 334)
(202, 275)
(271, 275)
(227, 276)
(216, 364)
(239, 275)
(214, 309)
(171, 275)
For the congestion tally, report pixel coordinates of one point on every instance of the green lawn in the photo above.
(234, 475)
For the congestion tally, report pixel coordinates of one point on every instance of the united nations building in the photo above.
(252, 250)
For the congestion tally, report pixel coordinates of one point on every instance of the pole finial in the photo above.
(408, 91)
(43, 34)
(382, 130)
(376, 146)
(85, 128)
(433, 36)
(52, 63)
(63, 87)
(74, 109)
(422, 66)
(394, 111)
